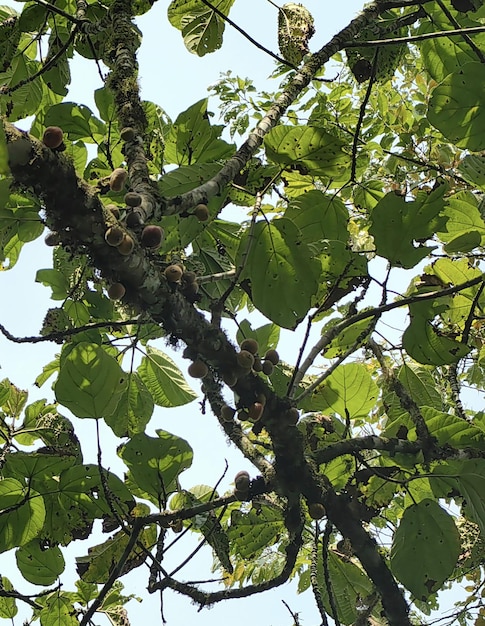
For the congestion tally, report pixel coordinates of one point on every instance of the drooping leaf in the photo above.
(398, 224)
(282, 270)
(455, 107)
(90, 381)
(311, 149)
(38, 564)
(134, 409)
(155, 463)
(22, 514)
(425, 548)
(164, 380)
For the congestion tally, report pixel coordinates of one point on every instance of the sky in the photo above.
(173, 78)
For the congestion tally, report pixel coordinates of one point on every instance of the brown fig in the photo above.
(198, 369)
(152, 236)
(127, 133)
(173, 273)
(241, 481)
(52, 137)
(126, 246)
(52, 239)
(251, 345)
(272, 356)
(114, 210)
(268, 368)
(227, 413)
(255, 411)
(201, 212)
(117, 179)
(134, 219)
(114, 236)
(116, 291)
(245, 359)
(316, 510)
(132, 199)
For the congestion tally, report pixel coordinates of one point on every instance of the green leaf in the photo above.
(201, 27)
(55, 280)
(164, 380)
(349, 586)
(77, 121)
(397, 224)
(349, 391)
(90, 381)
(282, 270)
(8, 606)
(472, 168)
(468, 478)
(267, 336)
(455, 107)
(421, 385)
(59, 611)
(192, 139)
(465, 228)
(4, 168)
(313, 150)
(250, 533)
(452, 430)
(319, 216)
(425, 344)
(102, 558)
(38, 564)
(134, 409)
(22, 514)
(425, 548)
(155, 464)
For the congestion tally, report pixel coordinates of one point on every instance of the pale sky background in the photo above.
(173, 78)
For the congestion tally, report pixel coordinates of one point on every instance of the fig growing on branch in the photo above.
(114, 236)
(117, 179)
(173, 273)
(116, 291)
(241, 481)
(255, 411)
(126, 246)
(127, 133)
(132, 199)
(201, 212)
(316, 510)
(198, 369)
(52, 239)
(251, 345)
(272, 356)
(52, 137)
(245, 359)
(227, 413)
(152, 236)
(268, 368)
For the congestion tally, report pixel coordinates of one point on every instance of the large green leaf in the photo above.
(155, 463)
(421, 386)
(319, 217)
(465, 228)
(348, 391)
(38, 564)
(456, 107)
(58, 611)
(97, 565)
(134, 409)
(468, 478)
(425, 548)
(8, 606)
(90, 381)
(201, 27)
(452, 430)
(77, 121)
(397, 224)
(311, 149)
(22, 514)
(164, 380)
(282, 270)
(251, 532)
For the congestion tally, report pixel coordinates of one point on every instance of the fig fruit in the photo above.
(173, 273)
(198, 369)
(127, 133)
(117, 179)
(201, 212)
(114, 236)
(251, 345)
(268, 368)
(272, 356)
(245, 359)
(316, 510)
(255, 411)
(52, 137)
(116, 291)
(132, 199)
(227, 413)
(241, 481)
(52, 239)
(152, 236)
(126, 246)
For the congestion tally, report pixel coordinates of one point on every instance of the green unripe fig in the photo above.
(241, 481)
(126, 246)
(272, 356)
(152, 236)
(198, 369)
(173, 273)
(117, 179)
(127, 133)
(316, 510)
(52, 137)
(201, 212)
(245, 359)
(114, 236)
(251, 345)
(116, 291)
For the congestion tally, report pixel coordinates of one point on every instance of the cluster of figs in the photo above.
(152, 235)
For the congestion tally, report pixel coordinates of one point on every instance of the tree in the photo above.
(368, 481)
